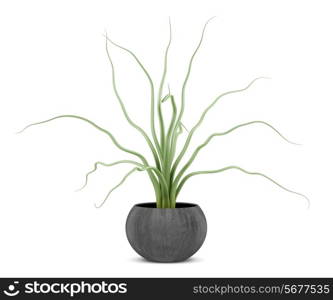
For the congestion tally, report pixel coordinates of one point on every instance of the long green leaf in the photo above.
(152, 104)
(160, 91)
(182, 107)
(114, 85)
(187, 76)
(115, 187)
(195, 127)
(143, 168)
(143, 159)
(108, 165)
(94, 125)
(196, 151)
(242, 170)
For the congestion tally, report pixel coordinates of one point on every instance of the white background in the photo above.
(53, 61)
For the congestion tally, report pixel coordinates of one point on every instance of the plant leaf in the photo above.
(195, 127)
(116, 186)
(152, 104)
(108, 165)
(122, 105)
(143, 159)
(196, 151)
(160, 91)
(242, 170)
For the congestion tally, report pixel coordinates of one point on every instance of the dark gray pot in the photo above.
(166, 234)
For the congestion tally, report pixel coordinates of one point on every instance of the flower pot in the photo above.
(166, 234)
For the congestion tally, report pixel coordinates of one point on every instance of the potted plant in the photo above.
(166, 230)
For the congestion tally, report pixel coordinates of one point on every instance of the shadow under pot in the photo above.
(166, 234)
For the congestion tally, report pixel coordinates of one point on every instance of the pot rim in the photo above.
(179, 205)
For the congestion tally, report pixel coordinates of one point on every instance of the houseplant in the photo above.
(166, 230)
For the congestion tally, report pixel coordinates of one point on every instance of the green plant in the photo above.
(164, 175)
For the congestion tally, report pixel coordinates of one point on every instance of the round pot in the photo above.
(166, 234)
